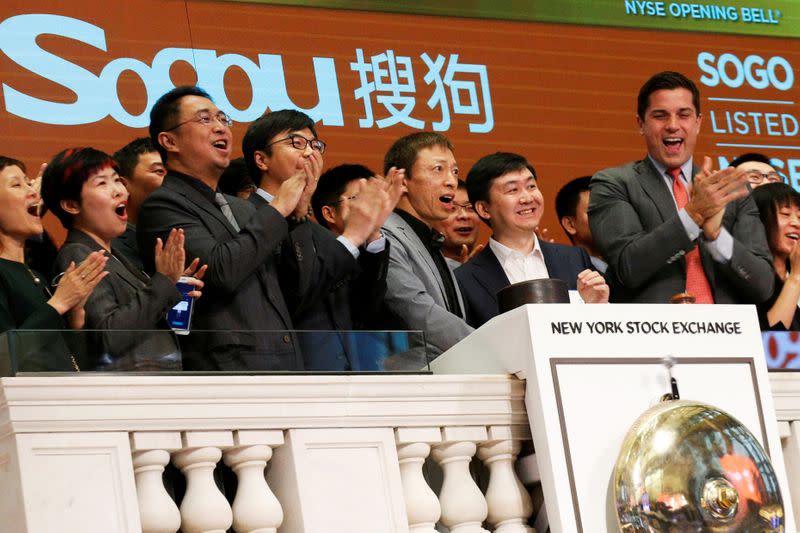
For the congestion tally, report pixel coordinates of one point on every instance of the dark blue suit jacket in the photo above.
(340, 294)
(482, 277)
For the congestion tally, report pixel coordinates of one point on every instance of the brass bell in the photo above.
(690, 467)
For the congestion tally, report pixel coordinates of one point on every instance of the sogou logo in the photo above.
(96, 96)
(758, 72)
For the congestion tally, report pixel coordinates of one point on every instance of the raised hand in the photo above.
(76, 284)
(289, 193)
(392, 186)
(592, 287)
(364, 209)
(170, 258)
(466, 254)
(312, 166)
(711, 192)
(195, 275)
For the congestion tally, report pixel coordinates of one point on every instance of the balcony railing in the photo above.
(86, 452)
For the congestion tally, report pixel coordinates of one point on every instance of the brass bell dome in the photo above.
(690, 467)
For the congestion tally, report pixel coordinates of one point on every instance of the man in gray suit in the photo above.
(239, 243)
(421, 291)
(664, 233)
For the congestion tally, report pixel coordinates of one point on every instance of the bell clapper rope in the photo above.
(669, 362)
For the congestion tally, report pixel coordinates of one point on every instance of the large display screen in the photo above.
(563, 94)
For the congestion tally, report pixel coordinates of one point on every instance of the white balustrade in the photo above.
(463, 506)
(509, 503)
(255, 507)
(422, 505)
(151, 453)
(126, 427)
(204, 508)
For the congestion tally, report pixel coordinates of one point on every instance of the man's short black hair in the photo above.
(568, 197)
(750, 156)
(490, 167)
(668, 80)
(403, 152)
(265, 128)
(127, 157)
(332, 184)
(236, 178)
(164, 114)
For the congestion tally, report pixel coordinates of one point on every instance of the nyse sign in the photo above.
(387, 91)
(773, 117)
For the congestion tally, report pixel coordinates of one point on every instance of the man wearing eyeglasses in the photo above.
(276, 147)
(758, 168)
(460, 230)
(242, 292)
(667, 227)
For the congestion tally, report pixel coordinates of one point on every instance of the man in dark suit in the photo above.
(355, 303)
(277, 146)
(503, 189)
(140, 165)
(572, 210)
(664, 233)
(236, 240)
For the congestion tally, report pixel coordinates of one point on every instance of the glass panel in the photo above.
(29, 351)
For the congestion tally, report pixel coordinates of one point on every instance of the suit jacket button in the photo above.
(286, 339)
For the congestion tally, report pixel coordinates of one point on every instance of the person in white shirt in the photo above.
(503, 188)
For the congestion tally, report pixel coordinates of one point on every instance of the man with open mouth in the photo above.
(460, 230)
(421, 291)
(244, 304)
(666, 226)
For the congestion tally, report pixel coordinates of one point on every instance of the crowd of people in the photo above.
(271, 244)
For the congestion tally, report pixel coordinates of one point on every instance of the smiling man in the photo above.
(237, 241)
(666, 226)
(421, 291)
(506, 195)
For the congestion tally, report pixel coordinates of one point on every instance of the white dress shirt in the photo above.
(518, 266)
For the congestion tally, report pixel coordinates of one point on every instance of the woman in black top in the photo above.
(779, 207)
(82, 188)
(26, 302)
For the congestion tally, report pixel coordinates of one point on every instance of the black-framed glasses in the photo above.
(756, 176)
(300, 142)
(340, 200)
(206, 118)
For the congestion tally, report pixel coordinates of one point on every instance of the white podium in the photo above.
(591, 370)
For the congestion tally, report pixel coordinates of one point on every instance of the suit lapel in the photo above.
(421, 251)
(198, 200)
(117, 264)
(655, 187)
(491, 275)
(552, 260)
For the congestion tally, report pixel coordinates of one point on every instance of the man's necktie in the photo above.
(696, 280)
(219, 198)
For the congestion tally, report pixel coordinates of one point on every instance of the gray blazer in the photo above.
(126, 299)
(242, 291)
(415, 294)
(636, 226)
